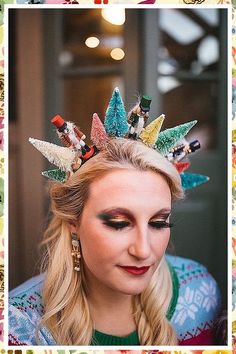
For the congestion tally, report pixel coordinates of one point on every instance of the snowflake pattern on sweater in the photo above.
(194, 307)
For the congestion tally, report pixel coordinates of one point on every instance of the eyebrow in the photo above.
(162, 212)
(114, 211)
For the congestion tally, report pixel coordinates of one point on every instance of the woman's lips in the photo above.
(135, 270)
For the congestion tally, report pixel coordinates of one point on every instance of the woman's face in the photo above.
(124, 230)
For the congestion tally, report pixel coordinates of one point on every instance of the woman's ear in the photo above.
(73, 227)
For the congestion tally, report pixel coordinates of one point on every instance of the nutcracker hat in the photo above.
(145, 103)
(171, 143)
(59, 122)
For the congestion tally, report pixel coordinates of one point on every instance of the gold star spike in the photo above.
(150, 134)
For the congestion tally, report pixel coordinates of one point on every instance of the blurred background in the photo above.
(69, 61)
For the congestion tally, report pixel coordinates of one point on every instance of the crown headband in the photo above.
(170, 143)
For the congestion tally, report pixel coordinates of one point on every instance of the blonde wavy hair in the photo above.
(66, 309)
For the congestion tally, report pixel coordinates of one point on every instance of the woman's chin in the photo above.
(134, 289)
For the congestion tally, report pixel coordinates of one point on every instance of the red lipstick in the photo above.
(135, 270)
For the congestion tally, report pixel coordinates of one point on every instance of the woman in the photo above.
(107, 280)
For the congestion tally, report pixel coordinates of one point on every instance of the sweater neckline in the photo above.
(100, 338)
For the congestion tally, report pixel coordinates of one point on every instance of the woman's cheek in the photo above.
(160, 243)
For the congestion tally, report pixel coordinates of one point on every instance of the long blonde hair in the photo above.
(67, 313)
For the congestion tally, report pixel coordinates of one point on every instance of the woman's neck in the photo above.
(111, 311)
(112, 318)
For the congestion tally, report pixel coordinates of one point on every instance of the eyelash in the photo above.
(160, 224)
(118, 225)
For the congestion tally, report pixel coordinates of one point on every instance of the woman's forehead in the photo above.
(130, 186)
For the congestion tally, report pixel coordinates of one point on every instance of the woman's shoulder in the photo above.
(27, 296)
(29, 286)
(183, 265)
(25, 313)
(190, 272)
(197, 301)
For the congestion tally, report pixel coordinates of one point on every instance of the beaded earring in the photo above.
(76, 251)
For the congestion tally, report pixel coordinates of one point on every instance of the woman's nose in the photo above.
(140, 244)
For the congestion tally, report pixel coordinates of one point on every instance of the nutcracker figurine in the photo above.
(70, 135)
(138, 117)
(180, 151)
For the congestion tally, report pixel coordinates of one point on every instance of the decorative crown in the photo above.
(170, 143)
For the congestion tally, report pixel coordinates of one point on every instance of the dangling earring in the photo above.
(76, 252)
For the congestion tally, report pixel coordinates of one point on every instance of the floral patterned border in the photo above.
(110, 2)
